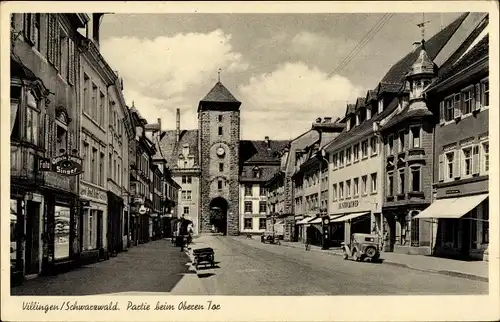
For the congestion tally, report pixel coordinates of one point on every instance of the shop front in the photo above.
(460, 226)
(358, 222)
(115, 223)
(92, 223)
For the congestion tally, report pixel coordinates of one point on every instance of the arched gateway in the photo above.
(218, 215)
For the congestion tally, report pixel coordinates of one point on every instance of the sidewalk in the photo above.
(475, 270)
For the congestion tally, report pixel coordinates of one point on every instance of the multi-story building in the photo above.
(261, 160)
(45, 122)
(169, 203)
(355, 167)
(120, 132)
(180, 149)
(96, 77)
(459, 96)
(408, 135)
(311, 179)
(140, 179)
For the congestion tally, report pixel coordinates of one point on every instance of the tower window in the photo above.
(220, 118)
(220, 130)
(221, 167)
(219, 184)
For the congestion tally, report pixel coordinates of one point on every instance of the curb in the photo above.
(441, 272)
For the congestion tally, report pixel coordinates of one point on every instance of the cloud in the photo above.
(162, 74)
(286, 101)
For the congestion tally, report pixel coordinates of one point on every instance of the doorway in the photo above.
(32, 237)
(390, 233)
(218, 215)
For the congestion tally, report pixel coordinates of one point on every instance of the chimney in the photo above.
(318, 120)
(327, 119)
(416, 44)
(268, 143)
(178, 125)
(159, 124)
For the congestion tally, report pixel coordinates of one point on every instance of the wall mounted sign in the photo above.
(450, 192)
(348, 204)
(44, 164)
(68, 165)
(91, 192)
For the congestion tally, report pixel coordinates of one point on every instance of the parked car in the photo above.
(362, 246)
(269, 237)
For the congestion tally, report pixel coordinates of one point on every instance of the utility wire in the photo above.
(363, 42)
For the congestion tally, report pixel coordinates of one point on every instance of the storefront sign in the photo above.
(91, 192)
(348, 204)
(44, 164)
(69, 165)
(451, 192)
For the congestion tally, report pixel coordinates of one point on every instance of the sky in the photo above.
(280, 66)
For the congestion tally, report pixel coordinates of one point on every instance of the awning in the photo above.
(303, 221)
(451, 207)
(332, 217)
(316, 220)
(350, 216)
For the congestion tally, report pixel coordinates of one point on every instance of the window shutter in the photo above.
(477, 105)
(457, 105)
(475, 159)
(46, 130)
(32, 27)
(50, 42)
(71, 61)
(441, 167)
(57, 46)
(457, 163)
(442, 112)
(52, 138)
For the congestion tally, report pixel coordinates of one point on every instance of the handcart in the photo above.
(204, 256)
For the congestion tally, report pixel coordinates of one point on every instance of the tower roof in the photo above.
(423, 64)
(220, 94)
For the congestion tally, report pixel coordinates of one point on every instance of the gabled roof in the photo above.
(170, 148)
(351, 109)
(360, 102)
(370, 95)
(261, 151)
(433, 46)
(220, 94)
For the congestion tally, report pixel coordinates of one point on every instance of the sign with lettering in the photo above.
(450, 192)
(44, 164)
(69, 165)
(348, 204)
(91, 192)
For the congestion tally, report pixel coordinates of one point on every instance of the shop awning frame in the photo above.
(303, 221)
(316, 220)
(451, 208)
(350, 216)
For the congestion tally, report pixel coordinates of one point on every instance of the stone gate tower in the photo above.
(219, 137)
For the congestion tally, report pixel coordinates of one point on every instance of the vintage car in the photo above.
(269, 237)
(362, 246)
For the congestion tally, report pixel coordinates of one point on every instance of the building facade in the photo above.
(44, 135)
(459, 213)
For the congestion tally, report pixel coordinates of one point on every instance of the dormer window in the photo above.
(358, 118)
(348, 124)
(368, 113)
(381, 105)
(185, 149)
(256, 173)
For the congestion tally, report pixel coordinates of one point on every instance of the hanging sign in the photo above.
(44, 164)
(69, 165)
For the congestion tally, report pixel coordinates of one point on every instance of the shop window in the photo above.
(14, 231)
(473, 229)
(248, 223)
(89, 229)
(248, 207)
(262, 207)
(415, 137)
(486, 222)
(416, 179)
(248, 190)
(262, 223)
(415, 230)
(61, 232)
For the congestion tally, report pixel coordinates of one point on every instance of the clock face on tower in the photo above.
(220, 151)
